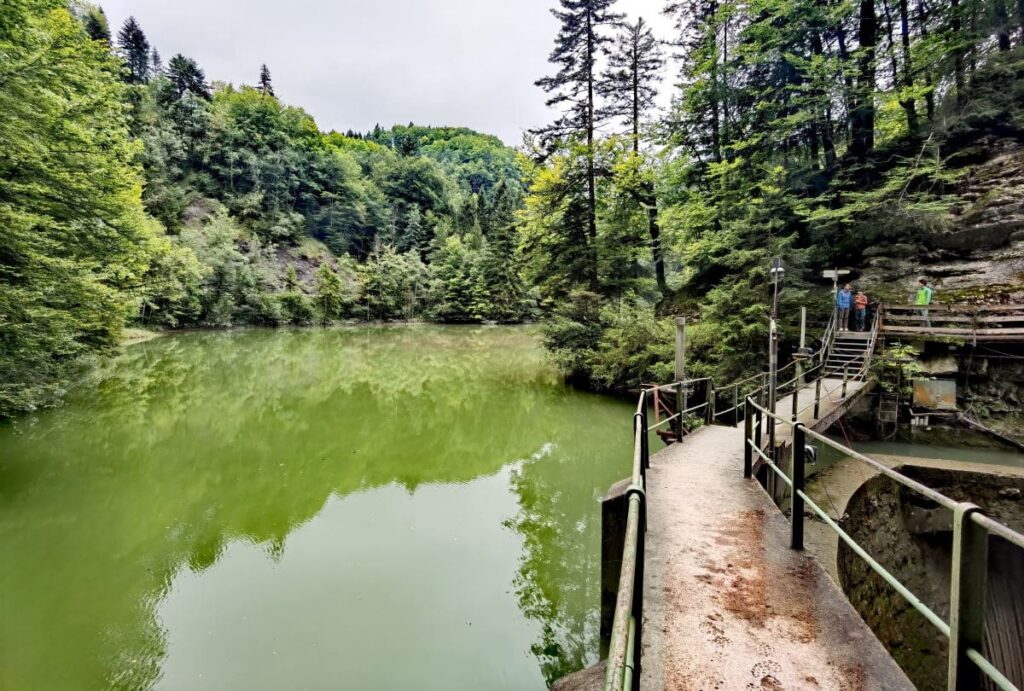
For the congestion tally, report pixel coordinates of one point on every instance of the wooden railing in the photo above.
(985, 323)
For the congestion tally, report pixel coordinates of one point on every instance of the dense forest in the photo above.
(135, 191)
(827, 132)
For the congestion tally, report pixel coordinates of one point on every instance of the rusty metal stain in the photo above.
(935, 394)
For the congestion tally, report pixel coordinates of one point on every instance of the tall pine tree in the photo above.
(629, 88)
(266, 87)
(186, 78)
(573, 89)
(134, 49)
(96, 24)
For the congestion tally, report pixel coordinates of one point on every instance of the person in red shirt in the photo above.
(860, 309)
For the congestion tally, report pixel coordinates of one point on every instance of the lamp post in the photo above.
(773, 351)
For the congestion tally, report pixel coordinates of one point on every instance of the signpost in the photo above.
(834, 274)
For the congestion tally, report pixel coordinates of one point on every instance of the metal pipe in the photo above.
(748, 430)
(616, 664)
(966, 598)
(923, 490)
(796, 518)
(735, 405)
(999, 529)
(990, 671)
(912, 599)
(627, 673)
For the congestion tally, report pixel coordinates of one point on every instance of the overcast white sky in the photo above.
(354, 63)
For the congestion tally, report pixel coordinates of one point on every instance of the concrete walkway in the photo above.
(727, 604)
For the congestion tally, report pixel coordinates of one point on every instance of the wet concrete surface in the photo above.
(727, 604)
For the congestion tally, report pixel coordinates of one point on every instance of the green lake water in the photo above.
(378, 508)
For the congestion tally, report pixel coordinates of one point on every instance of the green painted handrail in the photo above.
(969, 570)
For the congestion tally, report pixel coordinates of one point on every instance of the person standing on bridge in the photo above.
(860, 309)
(922, 299)
(844, 299)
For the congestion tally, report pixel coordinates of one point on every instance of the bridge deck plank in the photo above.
(727, 604)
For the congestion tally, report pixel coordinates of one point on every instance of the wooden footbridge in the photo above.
(970, 323)
(706, 584)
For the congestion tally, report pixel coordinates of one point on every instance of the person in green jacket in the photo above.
(922, 299)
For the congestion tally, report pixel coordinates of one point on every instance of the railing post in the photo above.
(748, 433)
(817, 393)
(679, 411)
(757, 429)
(796, 518)
(645, 452)
(711, 401)
(966, 598)
(846, 370)
(796, 397)
(735, 405)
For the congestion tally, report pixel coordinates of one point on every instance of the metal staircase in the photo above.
(849, 352)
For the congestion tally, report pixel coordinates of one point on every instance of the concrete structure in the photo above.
(727, 605)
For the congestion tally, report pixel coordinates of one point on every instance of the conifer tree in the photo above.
(573, 89)
(629, 83)
(96, 24)
(186, 78)
(329, 294)
(629, 87)
(500, 267)
(266, 87)
(134, 49)
(156, 63)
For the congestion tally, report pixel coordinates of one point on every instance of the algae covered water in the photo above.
(378, 508)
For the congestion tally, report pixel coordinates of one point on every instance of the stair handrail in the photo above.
(828, 338)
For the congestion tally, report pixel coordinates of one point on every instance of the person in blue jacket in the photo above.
(844, 300)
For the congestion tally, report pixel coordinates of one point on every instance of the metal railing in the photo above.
(623, 662)
(969, 571)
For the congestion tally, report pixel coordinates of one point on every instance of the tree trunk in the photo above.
(716, 132)
(929, 99)
(864, 110)
(1020, 16)
(635, 58)
(848, 92)
(825, 115)
(908, 71)
(827, 140)
(725, 88)
(1002, 17)
(958, 53)
(655, 230)
(591, 182)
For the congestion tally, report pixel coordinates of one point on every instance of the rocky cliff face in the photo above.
(975, 253)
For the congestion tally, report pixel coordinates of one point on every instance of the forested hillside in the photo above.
(136, 191)
(882, 135)
(861, 134)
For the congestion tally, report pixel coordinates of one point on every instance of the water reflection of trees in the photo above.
(187, 443)
(559, 518)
